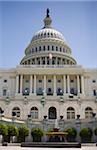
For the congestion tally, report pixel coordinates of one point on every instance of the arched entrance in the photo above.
(52, 113)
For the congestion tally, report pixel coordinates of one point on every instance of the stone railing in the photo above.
(49, 66)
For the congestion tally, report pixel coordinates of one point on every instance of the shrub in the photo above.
(3, 131)
(36, 133)
(95, 131)
(71, 134)
(23, 131)
(86, 134)
(12, 131)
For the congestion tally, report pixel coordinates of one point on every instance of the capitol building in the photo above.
(48, 83)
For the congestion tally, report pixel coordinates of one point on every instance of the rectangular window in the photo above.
(59, 81)
(44, 48)
(52, 48)
(4, 92)
(40, 81)
(94, 92)
(72, 81)
(94, 81)
(5, 81)
(49, 80)
(39, 48)
(48, 47)
(56, 48)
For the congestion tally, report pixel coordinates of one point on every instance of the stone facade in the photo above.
(48, 82)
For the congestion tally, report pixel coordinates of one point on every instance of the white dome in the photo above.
(48, 33)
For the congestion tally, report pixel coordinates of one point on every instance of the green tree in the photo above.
(12, 131)
(23, 131)
(3, 131)
(86, 135)
(71, 134)
(36, 133)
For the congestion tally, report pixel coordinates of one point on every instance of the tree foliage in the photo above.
(3, 130)
(86, 134)
(23, 131)
(36, 133)
(71, 134)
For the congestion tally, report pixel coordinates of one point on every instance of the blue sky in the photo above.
(20, 20)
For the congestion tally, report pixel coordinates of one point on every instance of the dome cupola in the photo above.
(48, 41)
(47, 20)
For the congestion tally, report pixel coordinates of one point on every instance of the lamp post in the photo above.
(29, 120)
(78, 126)
(94, 119)
(43, 103)
(13, 117)
(1, 114)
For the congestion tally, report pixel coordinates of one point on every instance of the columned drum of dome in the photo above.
(45, 41)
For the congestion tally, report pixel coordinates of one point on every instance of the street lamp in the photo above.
(78, 116)
(93, 115)
(13, 117)
(28, 120)
(1, 114)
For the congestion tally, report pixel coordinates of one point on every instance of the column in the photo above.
(21, 84)
(45, 60)
(30, 84)
(64, 84)
(34, 84)
(82, 85)
(78, 85)
(40, 61)
(44, 88)
(17, 84)
(35, 61)
(61, 61)
(56, 61)
(68, 84)
(55, 85)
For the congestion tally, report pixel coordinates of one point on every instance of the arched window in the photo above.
(52, 113)
(70, 113)
(88, 112)
(16, 111)
(34, 113)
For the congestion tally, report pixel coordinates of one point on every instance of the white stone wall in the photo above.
(86, 100)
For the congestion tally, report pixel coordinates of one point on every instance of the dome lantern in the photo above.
(47, 20)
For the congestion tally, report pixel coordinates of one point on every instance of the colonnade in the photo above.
(46, 60)
(66, 84)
